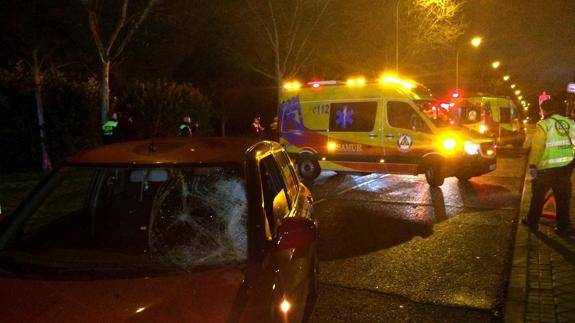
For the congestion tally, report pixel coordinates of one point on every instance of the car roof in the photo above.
(177, 150)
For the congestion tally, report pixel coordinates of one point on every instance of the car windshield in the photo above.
(129, 220)
(438, 115)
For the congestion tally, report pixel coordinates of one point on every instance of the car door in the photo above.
(283, 196)
(407, 135)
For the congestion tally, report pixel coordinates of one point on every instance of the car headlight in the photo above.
(449, 144)
(471, 148)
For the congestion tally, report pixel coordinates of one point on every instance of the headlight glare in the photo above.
(471, 148)
(449, 143)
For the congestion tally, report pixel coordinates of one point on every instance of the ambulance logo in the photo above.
(344, 117)
(404, 143)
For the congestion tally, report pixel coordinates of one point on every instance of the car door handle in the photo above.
(372, 135)
(389, 136)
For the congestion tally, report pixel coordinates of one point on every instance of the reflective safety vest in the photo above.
(109, 126)
(185, 129)
(559, 133)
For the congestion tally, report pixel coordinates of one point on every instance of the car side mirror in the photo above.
(296, 232)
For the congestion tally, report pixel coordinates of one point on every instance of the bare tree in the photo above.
(285, 29)
(37, 72)
(32, 40)
(120, 34)
(431, 25)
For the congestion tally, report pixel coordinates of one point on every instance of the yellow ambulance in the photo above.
(386, 126)
(494, 116)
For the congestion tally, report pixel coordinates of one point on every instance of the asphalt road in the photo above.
(394, 250)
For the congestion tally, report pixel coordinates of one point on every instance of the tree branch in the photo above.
(134, 28)
(118, 28)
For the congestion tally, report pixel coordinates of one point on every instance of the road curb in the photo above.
(517, 287)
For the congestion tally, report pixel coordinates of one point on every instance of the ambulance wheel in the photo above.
(308, 168)
(434, 174)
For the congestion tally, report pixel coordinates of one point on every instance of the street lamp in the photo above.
(513, 86)
(517, 92)
(495, 64)
(475, 42)
(397, 37)
(506, 78)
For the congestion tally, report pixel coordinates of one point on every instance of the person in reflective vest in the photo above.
(111, 130)
(187, 127)
(550, 165)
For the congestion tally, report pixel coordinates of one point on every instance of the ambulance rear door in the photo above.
(355, 141)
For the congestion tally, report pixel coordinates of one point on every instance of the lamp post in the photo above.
(475, 42)
(397, 37)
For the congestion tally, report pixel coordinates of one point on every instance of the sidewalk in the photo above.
(542, 282)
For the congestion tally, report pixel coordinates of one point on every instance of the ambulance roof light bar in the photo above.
(319, 83)
(393, 79)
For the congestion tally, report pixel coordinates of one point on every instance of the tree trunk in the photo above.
(105, 94)
(223, 126)
(46, 163)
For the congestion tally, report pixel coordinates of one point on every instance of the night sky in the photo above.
(534, 40)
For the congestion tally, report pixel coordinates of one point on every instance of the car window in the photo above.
(402, 115)
(352, 116)
(67, 195)
(135, 219)
(272, 185)
(288, 173)
(504, 115)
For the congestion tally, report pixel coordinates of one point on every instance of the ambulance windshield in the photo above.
(440, 117)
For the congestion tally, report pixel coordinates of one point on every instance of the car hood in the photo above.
(207, 296)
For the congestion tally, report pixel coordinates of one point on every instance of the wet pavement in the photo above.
(394, 250)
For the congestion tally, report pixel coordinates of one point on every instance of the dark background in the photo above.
(202, 58)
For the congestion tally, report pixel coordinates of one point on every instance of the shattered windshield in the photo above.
(136, 220)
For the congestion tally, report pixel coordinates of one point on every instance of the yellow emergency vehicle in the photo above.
(381, 126)
(496, 117)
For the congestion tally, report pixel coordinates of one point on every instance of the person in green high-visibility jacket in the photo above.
(111, 130)
(187, 128)
(550, 164)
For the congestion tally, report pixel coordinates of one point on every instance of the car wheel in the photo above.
(434, 174)
(308, 168)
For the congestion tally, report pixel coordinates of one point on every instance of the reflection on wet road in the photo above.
(394, 237)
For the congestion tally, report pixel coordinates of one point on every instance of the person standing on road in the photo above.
(186, 127)
(550, 165)
(258, 128)
(111, 130)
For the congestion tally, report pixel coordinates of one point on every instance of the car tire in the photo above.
(463, 178)
(308, 168)
(434, 174)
